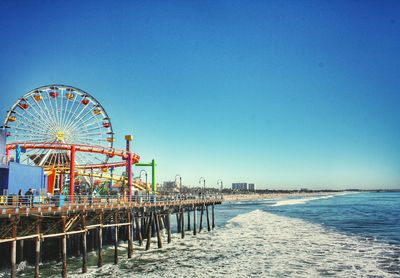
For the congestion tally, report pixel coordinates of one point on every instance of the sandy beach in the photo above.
(256, 196)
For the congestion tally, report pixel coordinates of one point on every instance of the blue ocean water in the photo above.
(351, 235)
(373, 215)
(359, 233)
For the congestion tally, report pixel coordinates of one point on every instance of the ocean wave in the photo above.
(254, 244)
(261, 244)
(300, 201)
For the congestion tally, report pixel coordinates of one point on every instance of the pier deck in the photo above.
(76, 224)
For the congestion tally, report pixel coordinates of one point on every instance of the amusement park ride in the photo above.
(68, 133)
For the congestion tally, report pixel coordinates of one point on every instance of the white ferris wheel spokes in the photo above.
(59, 114)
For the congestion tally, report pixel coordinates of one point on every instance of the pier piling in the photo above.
(213, 215)
(64, 249)
(77, 243)
(14, 249)
(194, 220)
(21, 250)
(100, 247)
(148, 224)
(149, 231)
(168, 227)
(182, 217)
(178, 221)
(157, 220)
(100, 243)
(130, 247)
(143, 226)
(116, 238)
(153, 226)
(84, 245)
(201, 218)
(208, 220)
(138, 231)
(37, 251)
(188, 219)
(161, 221)
(94, 239)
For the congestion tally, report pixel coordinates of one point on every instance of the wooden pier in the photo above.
(47, 232)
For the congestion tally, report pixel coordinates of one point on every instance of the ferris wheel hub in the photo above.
(60, 135)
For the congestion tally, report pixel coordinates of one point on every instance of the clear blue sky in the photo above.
(285, 94)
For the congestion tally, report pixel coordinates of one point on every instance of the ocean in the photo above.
(345, 235)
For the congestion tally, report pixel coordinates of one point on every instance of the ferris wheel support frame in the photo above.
(129, 157)
(72, 174)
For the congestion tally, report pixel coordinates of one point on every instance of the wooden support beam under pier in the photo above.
(194, 220)
(76, 229)
(116, 238)
(201, 218)
(130, 247)
(138, 231)
(149, 231)
(208, 219)
(14, 222)
(100, 243)
(188, 219)
(157, 220)
(168, 220)
(84, 245)
(37, 251)
(182, 217)
(64, 249)
(213, 216)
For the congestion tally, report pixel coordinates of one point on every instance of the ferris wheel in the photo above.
(58, 114)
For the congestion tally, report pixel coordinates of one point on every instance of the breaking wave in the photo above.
(261, 244)
(299, 201)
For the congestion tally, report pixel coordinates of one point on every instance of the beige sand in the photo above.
(256, 196)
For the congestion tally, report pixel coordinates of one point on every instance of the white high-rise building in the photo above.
(239, 186)
(243, 186)
(252, 187)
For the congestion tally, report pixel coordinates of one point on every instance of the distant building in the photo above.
(252, 187)
(169, 185)
(243, 186)
(239, 186)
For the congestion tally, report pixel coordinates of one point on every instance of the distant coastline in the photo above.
(229, 197)
(260, 196)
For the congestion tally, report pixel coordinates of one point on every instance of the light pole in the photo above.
(140, 175)
(220, 182)
(180, 183)
(204, 184)
(128, 139)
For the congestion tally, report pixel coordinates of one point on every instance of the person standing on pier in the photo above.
(20, 198)
(29, 197)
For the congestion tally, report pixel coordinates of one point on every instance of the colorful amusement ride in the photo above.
(58, 140)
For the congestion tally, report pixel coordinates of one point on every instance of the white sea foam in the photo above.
(22, 265)
(261, 244)
(299, 201)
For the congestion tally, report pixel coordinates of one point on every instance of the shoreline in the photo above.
(257, 196)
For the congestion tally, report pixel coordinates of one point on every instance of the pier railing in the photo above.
(26, 204)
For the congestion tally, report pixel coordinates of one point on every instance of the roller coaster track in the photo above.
(80, 169)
